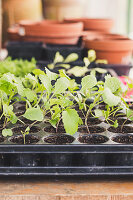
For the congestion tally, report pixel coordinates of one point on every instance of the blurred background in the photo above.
(121, 11)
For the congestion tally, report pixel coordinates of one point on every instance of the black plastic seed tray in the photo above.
(107, 155)
(106, 151)
(25, 50)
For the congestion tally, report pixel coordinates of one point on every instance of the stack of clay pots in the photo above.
(115, 48)
(49, 31)
(95, 33)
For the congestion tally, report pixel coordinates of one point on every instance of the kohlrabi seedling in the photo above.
(79, 71)
(60, 61)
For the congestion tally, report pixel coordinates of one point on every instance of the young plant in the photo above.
(60, 61)
(79, 71)
(56, 100)
(108, 92)
(17, 67)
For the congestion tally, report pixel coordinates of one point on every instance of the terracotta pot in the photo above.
(13, 34)
(95, 35)
(101, 25)
(92, 35)
(48, 40)
(51, 31)
(116, 51)
(60, 9)
(114, 36)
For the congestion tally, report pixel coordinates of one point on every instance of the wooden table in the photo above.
(68, 189)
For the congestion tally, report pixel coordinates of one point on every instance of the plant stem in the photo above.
(24, 138)
(125, 122)
(86, 119)
(57, 125)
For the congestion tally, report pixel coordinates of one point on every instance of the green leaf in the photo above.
(88, 82)
(112, 83)
(63, 74)
(34, 114)
(29, 94)
(51, 66)
(78, 71)
(70, 120)
(7, 132)
(58, 58)
(86, 61)
(115, 124)
(38, 72)
(91, 55)
(71, 58)
(99, 113)
(52, 76)
(46, 82)
(109, 98)
(129, 114)
(61, 85)
(53, 122)
(13, 118)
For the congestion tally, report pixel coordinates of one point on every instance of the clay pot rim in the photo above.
(49, 23)
(110, 44)
(51, 37)
(84, 19)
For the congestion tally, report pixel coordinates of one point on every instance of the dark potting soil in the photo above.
(33, 129)
(126, 129)
(80, 113)
(93, 121)
(94, 129)
(27, 121)
(22, 102)
(120, 121)
(2, 139)
(48, 114)
(21, 108)
(18, 114)
(126, 139)
(51, 129)
(29, 139)
(59, 139)
(131, 106)
(92, 139)
(118, 114)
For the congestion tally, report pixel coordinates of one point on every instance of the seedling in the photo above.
(26, 132)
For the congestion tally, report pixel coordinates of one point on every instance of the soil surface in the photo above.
(21, 108)
(119, 114)
(27, 121)
(29, 139)
(126, 129)
(59, 139)
(120, 121)
(93, 121)
(18, 114)
(51, 129)
(93, 139)
(126, 139)
(1, 139)
(94, 129)
(34, 129)
(82, 116)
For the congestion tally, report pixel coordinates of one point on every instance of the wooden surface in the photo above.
(70, 189)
